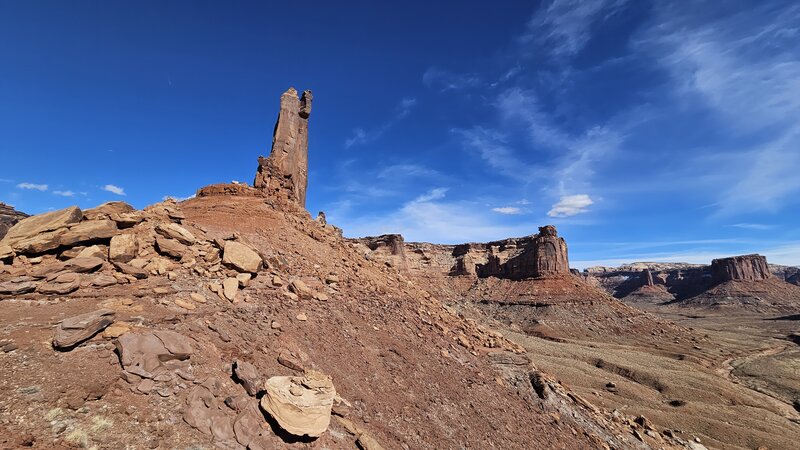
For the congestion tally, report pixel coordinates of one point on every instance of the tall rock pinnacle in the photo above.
(286, 168)
(550, 253)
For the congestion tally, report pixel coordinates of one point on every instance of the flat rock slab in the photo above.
(142, 353)
(241, 257)
(170, 247)
(62, 284)
(74, 330)
(16, 286)
(177, 232)
(42, 223)
(128, 269)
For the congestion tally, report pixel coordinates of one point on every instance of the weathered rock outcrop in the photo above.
(300, 405)
(745, 267)
(286, 168)
(535, 256)
(8, 217)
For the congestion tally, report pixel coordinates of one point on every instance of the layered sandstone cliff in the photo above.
(745, 267)
(536, 256)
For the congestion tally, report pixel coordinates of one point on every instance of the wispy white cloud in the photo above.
(361, 136)
(395, 171)
(745, 69)
(64, 193)
(564, 27)
(114, 189)
(510, 210)
(493, 148)
(571, 205)
(433, 194)
(753, 226)
(33, 186)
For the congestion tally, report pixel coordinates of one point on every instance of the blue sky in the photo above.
(659, 131)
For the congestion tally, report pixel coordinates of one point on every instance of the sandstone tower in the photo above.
(285, 170)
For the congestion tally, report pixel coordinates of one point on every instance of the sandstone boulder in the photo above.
(141, 353)
(123, 248)
(41, 232)
(87, 231)
(248, 376)
(128, 269)
(300, 405)
(8, 217)
(74, 330)
(171, 247)
(106, 210)
(61, 285)
(177, 232)
(241, 257)
(6, 251)
(18, 285)
(230, 286)
(94, 251)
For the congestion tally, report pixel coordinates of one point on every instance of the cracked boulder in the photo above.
(300, 405)
(142, 353)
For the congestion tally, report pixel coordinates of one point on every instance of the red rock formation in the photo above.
(550, 253)
(8, 217)
(647, 278)
(286, 168)
(746, 267)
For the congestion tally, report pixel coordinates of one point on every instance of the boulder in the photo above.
(128, 269)
(37, 233)
(170, 247)
(177, 232)
(8, 217)
(248, 376)
(241, 257)
(106, 210)
(6, 251)
(230, 287)
(94, 251)
(74, 330)
(123, 248)
(142, 353)
(82, 264)
(300, 405)
(88, 231)
(61, 285)
(19, 285)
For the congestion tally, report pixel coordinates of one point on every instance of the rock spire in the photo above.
(286, 168)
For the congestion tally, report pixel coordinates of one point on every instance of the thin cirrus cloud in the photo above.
(64, 193)
(33, 186)
(114, 189)
(509, 210)
(361, 136)
(571, 205)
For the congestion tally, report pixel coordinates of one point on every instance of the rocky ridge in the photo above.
(166, 324)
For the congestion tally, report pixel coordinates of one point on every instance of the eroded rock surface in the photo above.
(300, 405)
(286, 168)
(8, 217)
(745, 267)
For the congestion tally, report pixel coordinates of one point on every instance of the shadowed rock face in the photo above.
(8, 217)
(746, 267)
(647, 278)
(286, 168)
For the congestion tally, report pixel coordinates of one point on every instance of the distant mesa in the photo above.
(284, 173)
(745, 268)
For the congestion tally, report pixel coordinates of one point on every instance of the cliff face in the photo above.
(745, 267)
(535, 256)
(286, 168)
(8, 217)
